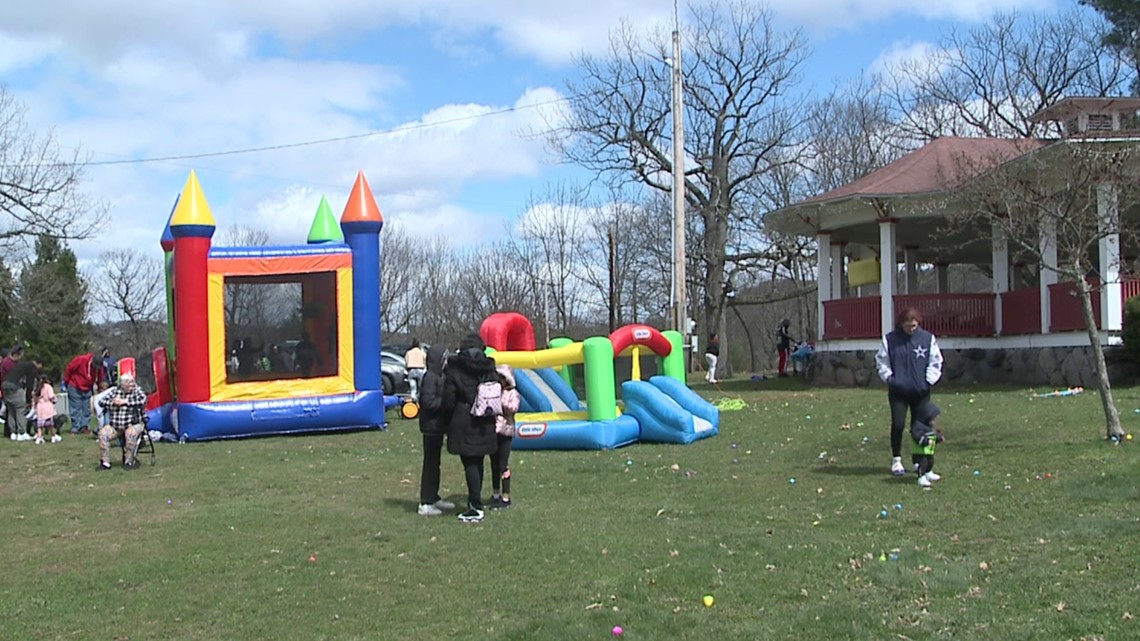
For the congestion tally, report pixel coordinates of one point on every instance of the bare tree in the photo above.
(738, 73)
(989, 80)
(130, 285)
(399, 280)
(40, 183)
(1078, 188)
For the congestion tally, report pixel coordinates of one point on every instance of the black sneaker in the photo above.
(103, 466)
(499, 503)
(131, 465)
(471, 516)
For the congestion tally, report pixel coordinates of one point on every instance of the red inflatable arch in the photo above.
(508, 331)
(645, 335)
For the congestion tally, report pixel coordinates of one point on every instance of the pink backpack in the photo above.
(488, 399)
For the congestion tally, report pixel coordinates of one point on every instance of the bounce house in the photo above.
(660, 410)
(327, 378)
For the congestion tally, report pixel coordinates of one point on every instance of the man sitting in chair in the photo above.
(125, 409)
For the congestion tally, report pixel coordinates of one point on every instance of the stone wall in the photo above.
(1049, 366)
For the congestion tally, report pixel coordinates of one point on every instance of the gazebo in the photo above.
(1023, 329)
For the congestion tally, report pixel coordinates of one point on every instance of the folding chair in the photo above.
(145, 444)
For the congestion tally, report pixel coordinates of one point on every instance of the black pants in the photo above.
(923, 463)
(429, 475)
(500, 466)
(473, 471)
(899, 407)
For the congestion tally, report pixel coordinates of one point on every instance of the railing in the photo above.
(952, 314)
(1021, 312)
(852, 318)
(1065, 314)
(971, 314)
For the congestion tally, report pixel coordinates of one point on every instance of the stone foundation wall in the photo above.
(1043, 366)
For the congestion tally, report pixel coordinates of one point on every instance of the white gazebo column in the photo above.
(1048, 250)
(942, 276)
(823, 279)
(888, 271)
(1108, 221)
(1000, 270)
(910, 260)
(838, 270)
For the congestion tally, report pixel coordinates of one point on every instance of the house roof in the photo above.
(935, 167)
(1069, 107)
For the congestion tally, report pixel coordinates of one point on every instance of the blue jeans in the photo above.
(79, 407)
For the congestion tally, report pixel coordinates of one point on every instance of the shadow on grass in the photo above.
(411, 505)
(850, 470)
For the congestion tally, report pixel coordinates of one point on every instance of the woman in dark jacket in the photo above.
(433, 427)
(470, 437)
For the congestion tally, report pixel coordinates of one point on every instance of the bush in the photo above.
(1131, 329)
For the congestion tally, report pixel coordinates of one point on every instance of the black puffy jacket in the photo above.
(467, 435)
(431, 393)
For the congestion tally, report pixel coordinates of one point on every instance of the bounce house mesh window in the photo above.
(280, 326)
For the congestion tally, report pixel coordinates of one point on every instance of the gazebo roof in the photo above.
(929, 168)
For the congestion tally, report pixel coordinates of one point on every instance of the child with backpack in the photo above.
(472, 399)
(505, 434)
(45, 410)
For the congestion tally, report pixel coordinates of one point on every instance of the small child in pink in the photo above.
(505, 433)
(45, 411)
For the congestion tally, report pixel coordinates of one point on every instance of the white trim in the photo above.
(1031, 341)
(823, 278)
(888, 273)
(1108, 222)
(1048, 276)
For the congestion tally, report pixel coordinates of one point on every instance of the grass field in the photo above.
(1030, 534)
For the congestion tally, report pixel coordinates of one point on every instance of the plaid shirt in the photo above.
(127, 414)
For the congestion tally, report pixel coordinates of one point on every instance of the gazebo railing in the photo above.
(1021, 312)
(1065, 314)
(953, 314)
(852, 318)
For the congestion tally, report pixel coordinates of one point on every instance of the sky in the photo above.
(454, 90)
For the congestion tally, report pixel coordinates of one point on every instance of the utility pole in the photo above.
(680, 306)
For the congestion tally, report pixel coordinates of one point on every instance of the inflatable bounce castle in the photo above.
(337, 384)
(660, 410)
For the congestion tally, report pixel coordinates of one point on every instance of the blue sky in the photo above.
(131, 79)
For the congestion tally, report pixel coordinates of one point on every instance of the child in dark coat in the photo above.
(470, 437)
(433, 427)
(505, 431)
(925, 436)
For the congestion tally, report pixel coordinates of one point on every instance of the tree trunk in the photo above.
(748, 335)
(1111, 415)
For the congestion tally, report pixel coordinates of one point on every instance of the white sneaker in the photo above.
(897, 466)
(444, 505)
(24, 437)
(56, 439)
(427, 509)
(13, 436)
(39, 440)
(933, 477)
(923, 481)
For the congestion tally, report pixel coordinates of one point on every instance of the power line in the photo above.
(307, 143)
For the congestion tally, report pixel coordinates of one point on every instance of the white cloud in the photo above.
(909, 53)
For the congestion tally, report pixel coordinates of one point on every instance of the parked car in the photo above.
(393, 373)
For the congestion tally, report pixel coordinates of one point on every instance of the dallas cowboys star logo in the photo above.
(920, 352)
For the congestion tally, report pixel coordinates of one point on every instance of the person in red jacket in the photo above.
(81, 375)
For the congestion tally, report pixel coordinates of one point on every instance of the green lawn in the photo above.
(1029, 536)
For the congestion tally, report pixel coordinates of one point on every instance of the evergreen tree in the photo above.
(51, 312)
(8, 329)
(1125, 33)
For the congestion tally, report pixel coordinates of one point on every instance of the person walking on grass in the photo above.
(18, 386)
(471, 400)
(504, 436)
(81, 376)
(910, 362)
(712, 355)
(924, 436)
(433, 427)
(45, 411)
(784, 346)
(415, 363)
